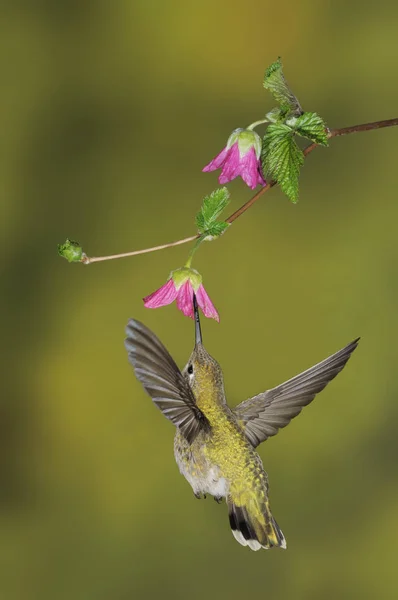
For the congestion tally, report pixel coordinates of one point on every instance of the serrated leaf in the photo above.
(212, 207)
(200, 222)
(311, 126)
(282, 158)
(214, 203)
(275, 82)
(216, 230)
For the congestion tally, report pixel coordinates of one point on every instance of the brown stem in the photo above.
(87, 260)
(332, 133)
(250, 202)
(364, 127)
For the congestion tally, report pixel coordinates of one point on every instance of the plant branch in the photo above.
(91, 259)
(364, 127)
(331, 134)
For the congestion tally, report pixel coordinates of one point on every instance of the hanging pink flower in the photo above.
(181, 286)
(241, 156)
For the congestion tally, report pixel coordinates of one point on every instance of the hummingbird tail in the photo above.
(254, 528)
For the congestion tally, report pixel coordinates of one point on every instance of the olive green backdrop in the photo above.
(109, 111)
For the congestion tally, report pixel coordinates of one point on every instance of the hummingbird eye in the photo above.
(190, 369)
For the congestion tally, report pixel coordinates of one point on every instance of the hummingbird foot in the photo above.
(199, 496)
(218, 499)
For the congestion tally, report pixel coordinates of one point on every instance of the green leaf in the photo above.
(71, 250)
(216, 230)
(275, 115)
(275, 82)
(311, 126)
(212, 207)
(282, 158)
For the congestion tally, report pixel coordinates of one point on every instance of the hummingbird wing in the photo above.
(163, 380)
(263, 415)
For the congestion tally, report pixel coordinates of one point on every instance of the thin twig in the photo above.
(364, 127)
(332, 133)
(250, 202)
(88, 260)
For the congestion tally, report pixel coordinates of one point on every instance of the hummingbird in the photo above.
(215, 445)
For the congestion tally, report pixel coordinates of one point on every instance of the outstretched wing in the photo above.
(263, 415)
(163, 380)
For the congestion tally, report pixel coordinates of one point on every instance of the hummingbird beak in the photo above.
(198, 333)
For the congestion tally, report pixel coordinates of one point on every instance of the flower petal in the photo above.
(240, 157)
(206, 304)
(249, 168)
(260, 178)
(164, 295)
(231, 168)
(217, 162)
(185, 299)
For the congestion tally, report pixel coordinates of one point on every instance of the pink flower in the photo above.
(241, 156)
(181, 286)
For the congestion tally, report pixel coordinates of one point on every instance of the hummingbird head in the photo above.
(202, 371)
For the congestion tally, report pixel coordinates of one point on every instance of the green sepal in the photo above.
(282, 158)
(71, 250)
(212, 207)
(275, 82)
(181, 275)
(311, 126)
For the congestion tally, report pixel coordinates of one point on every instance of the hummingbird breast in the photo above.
(203, 475)
(221, 461)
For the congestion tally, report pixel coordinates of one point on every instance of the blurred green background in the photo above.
(109, 112)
